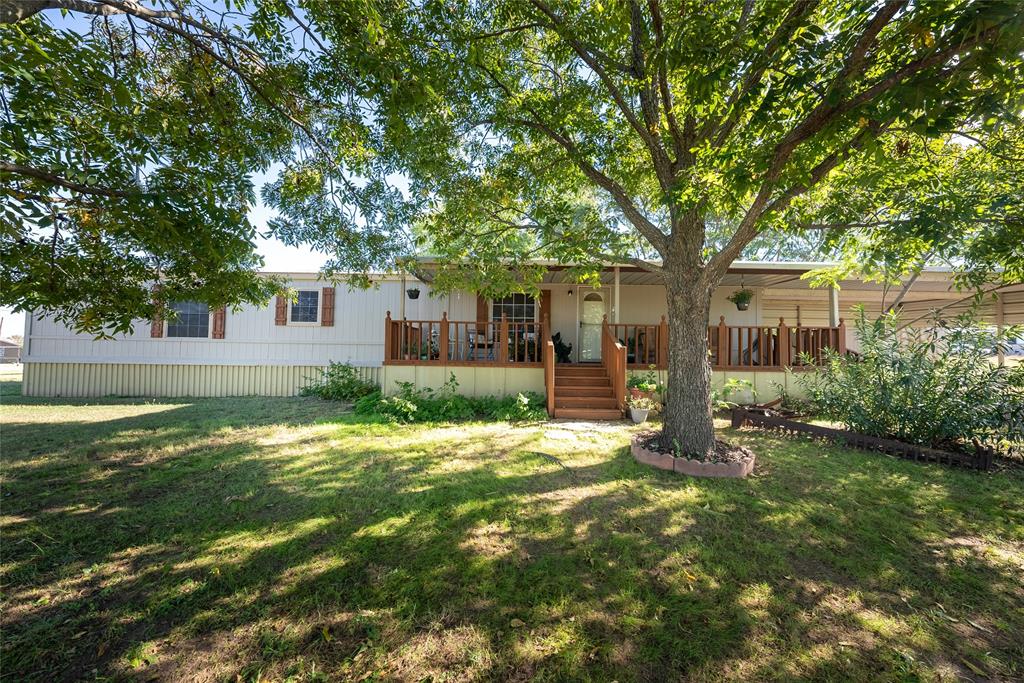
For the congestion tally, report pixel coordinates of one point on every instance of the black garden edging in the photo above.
(981, 459)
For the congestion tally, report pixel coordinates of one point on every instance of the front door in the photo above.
(591, 318)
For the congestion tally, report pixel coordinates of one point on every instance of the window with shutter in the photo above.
(191, 319)
(305, 309)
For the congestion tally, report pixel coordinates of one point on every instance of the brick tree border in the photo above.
(694, 468)
(981, 459)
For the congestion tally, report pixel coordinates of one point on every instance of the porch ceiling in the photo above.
(761, 277)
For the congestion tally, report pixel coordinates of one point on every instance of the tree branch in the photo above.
(682, 150)
(662, 164)
(54, 179)
(758, 65)
(750, 225)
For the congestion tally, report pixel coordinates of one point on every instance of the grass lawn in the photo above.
(273, 539)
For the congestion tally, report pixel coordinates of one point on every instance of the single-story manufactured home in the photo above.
(399, 331)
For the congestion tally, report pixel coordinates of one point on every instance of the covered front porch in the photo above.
(577, 343)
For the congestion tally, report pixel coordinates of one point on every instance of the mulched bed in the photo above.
(724, 452)
(980, 458)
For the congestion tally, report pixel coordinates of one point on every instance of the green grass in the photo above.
(282, 539)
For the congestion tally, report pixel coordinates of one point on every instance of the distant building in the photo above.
(9, 352)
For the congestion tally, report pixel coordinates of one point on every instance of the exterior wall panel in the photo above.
(152, 380)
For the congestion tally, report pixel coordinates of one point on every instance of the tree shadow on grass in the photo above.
(363, 548)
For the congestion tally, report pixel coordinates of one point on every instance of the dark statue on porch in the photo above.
(562, 350)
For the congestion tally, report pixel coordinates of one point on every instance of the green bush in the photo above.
(339, 382)
(937, 386)
(409, 404)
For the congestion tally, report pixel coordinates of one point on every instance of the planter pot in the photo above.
(423, 356)
(742, 306)
(408, 356)
(413, 293)
(638, 415)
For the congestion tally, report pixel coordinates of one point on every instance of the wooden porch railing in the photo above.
(454, 342)
(524, 344)
(613, 358)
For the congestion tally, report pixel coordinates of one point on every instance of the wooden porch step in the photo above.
(600, 392)
(584, 401)
(579, 370)
(588, 413)
(583, 381)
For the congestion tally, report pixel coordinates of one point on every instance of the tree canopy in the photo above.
(129, 137)
(671, 136)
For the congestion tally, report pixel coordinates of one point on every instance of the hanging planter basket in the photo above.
(414, 293)
(742, 297)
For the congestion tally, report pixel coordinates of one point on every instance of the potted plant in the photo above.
(640, 407)
(424, 351)
(643, 385)
(413, 292)
(742, 297)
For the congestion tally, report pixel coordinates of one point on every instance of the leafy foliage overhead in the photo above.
(129, 136)
(624, 131)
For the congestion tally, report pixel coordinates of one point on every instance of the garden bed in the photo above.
(725, 461)
(981, 458)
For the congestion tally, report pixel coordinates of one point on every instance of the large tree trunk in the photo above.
(688, 425)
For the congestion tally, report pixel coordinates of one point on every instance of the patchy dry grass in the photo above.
(272, 539)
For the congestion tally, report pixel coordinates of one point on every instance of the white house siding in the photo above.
(259, 357)
(256, 356)
(251, 336)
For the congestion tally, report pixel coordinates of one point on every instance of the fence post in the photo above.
(841, 342)
(723, 342)
(783, 343)
(503, 340)
(442, 338)
(388, 351)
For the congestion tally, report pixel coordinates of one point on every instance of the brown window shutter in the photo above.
(281, 311)
(482, 314)
(327, 307)
(219, 317)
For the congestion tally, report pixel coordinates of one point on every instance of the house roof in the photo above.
(783, 275)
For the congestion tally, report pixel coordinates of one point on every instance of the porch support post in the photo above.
(615, 310)
(442, 339)
(401, 300)
(833, 306)
(503, 340)
(663, 344)
(784, 351)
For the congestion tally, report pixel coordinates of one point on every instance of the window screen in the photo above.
(192, 320)
(517, 308)
(306, 307)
